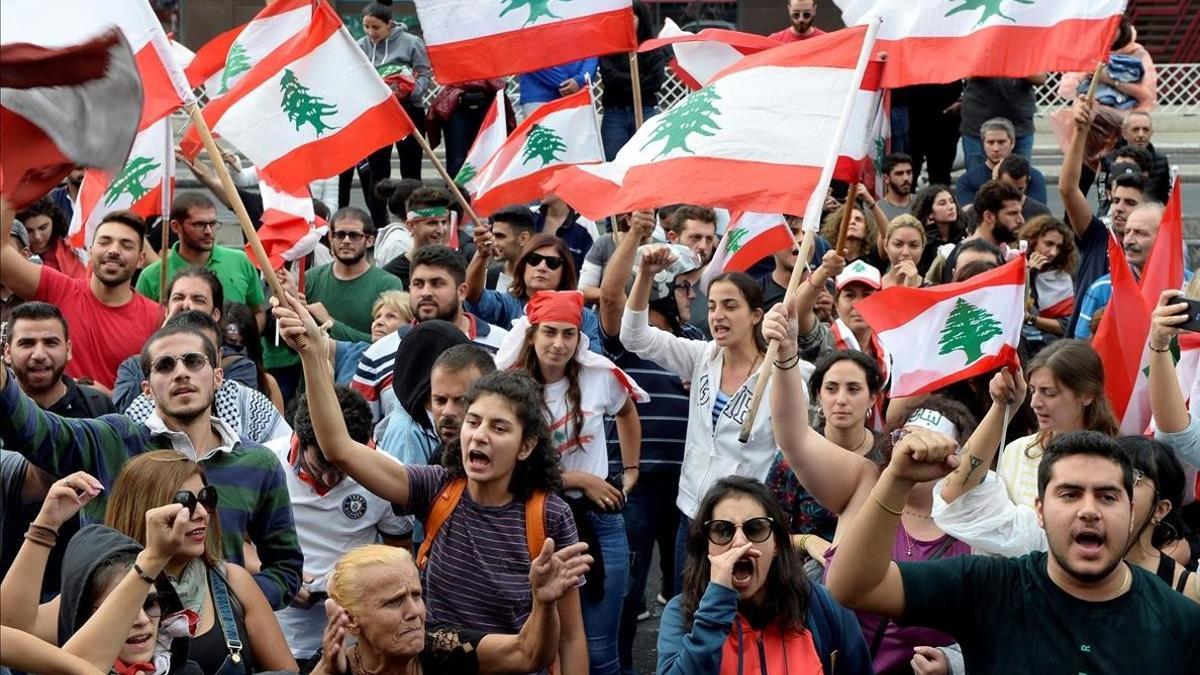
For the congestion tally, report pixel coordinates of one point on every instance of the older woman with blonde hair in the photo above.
(392, 309)
(375, 595)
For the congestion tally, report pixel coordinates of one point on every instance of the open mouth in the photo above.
(478, 460)
(139, 640)
(743, 571)
(197, 534)
(720, 331)
(1090, 542)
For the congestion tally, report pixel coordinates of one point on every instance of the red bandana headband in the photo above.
(555, 307)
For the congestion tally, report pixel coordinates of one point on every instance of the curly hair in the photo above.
(787, 587)
(833, 223)
(1038, 226)
(541, 469)
(569, 279)
(356, 412)
(46, 207)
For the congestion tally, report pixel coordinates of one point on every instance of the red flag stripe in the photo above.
(902, 304)
(210, 59)
(839, 49)
(1164, 264)
(31, 163)
(1121, 336)
(160, 98)
(515, 52)
(1007, 357)
(769, 242)
(520, 191)
(517, 138)
(747, 43)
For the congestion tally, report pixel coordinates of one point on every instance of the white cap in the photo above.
(861, 272)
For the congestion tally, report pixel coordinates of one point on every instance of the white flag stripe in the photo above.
(576, 128)
(914, 18)
(149, 143)
(860, 136)
(915, 345)
(700, 60)
(255, 119)
(259, 38)
(488, 142)
(448, 21)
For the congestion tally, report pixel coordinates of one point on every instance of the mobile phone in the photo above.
(1193, 314)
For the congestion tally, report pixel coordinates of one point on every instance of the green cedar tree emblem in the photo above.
(880, 154)
(735, 240)
(538, 9)
(129, 180)
(990, 8)
(692, 115)
(542, 144)
(466, 174)
(392, 69)
(236, 63)
(302, 107)
(967, 328)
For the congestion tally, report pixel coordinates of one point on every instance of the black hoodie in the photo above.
(85, 555)
(418, 349)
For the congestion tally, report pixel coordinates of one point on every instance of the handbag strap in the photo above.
(224, 607)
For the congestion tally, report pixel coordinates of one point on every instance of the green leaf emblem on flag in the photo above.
(692, 115)
(967, 328)
(880, 154)
(236, 63)
(542, 143)
(129, 180)
(466, 174)
(302, 107)
(538, 9)
(989, 9)
(735, 240)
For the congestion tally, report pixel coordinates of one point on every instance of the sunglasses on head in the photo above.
(207, 498)
(165, 364)
(553, 262)
(757, 530)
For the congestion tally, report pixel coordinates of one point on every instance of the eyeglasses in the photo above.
(204, 224)
(352, 236)
(207, 498)
(151, 607)
(757, 530)
(165, 364)
(804, 14)
(685, 286)
(553, 262)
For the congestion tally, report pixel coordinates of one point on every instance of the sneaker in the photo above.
(644, 615)
(660, 599)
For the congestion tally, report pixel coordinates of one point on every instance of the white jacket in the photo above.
(988, 520)
(709, 453)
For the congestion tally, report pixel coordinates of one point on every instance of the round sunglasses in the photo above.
(165, 364)
(721, 532)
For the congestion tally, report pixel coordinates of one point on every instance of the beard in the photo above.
(1003, 234)
(22, 373)
(902, 189)
(351, 259)
(1084, 577)
(450, 314)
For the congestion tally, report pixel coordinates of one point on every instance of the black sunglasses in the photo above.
(151, 606)
(352, 236)
(804, 14)
(757, 530)
(684, 285)
(553, 262)
(207, 498)
(165, 364)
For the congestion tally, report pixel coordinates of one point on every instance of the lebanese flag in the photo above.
(944, 334)
(1055, 295)
(228, 57)
(290, 228)
(866, 143)
(700, 56)
(492, 134)
(1187, 370)
(137, 186)
(71, 22)
(1164, 266)
(756, 138)
(560, 134)
(62, 107)
(750, 237)
(485, 39)
(935, 41)
(310, 109)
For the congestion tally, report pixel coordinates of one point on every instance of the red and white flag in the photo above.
(944, 334)
(308, 110)
(484, 39)
(757, 138)
(700, 56)
(750, 237)
(933, 41)
(290, 228)
(558, 135)
(493, 131)
(228, 57)
(62, 107)
(866, 143)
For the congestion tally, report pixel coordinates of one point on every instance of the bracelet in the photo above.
(632, 468)
(137, 569)
(803, 542)
(794, 359)
(885, 507)
(1159, 351)
(42, 535)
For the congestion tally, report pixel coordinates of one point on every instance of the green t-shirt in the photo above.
(1010, 617)
(349, 302)
(238, 276)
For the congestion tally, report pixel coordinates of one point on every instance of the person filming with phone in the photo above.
(1174, 323)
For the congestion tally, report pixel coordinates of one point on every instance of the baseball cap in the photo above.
(860, 272)
(685, 261)
(22, 234)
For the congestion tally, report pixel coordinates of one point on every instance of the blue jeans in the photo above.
(618, 127)
(681, 537)
(973, 149)
(602, 618)
(650, 517)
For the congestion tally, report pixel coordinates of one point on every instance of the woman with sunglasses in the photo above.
(841, 482)
(545, 264)
(746, 605)
(581, 389)
(111, 609)
(235, 629)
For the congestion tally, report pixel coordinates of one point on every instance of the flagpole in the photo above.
(635, 78)
(847, 213)
(812, 217)
(164, 249)
(441, 169)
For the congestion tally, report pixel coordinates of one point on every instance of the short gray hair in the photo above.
(999, 124)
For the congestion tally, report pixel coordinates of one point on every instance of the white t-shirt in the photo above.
(1019, 471)
(328, 525)
(600, 394)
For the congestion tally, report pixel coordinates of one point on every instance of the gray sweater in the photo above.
(402, 48)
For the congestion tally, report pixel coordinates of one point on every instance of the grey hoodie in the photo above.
(402, 48)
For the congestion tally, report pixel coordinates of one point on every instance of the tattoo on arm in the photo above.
(975, 463)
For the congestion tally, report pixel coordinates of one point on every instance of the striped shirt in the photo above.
(478, 571)
(254, 498)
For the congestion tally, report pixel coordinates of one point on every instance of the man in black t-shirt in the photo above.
(1078, 609)
(38, 346)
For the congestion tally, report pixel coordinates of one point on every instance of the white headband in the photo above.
(933, 421)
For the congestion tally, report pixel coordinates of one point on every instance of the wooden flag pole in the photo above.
(441, 169)
(1091, 93)
(164, 250)
(847, 214)
(635, 79)
(768, 364)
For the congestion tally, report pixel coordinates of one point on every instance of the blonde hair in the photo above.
(148, 481)
(902, 221)
(397, 299)
(344, 584)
